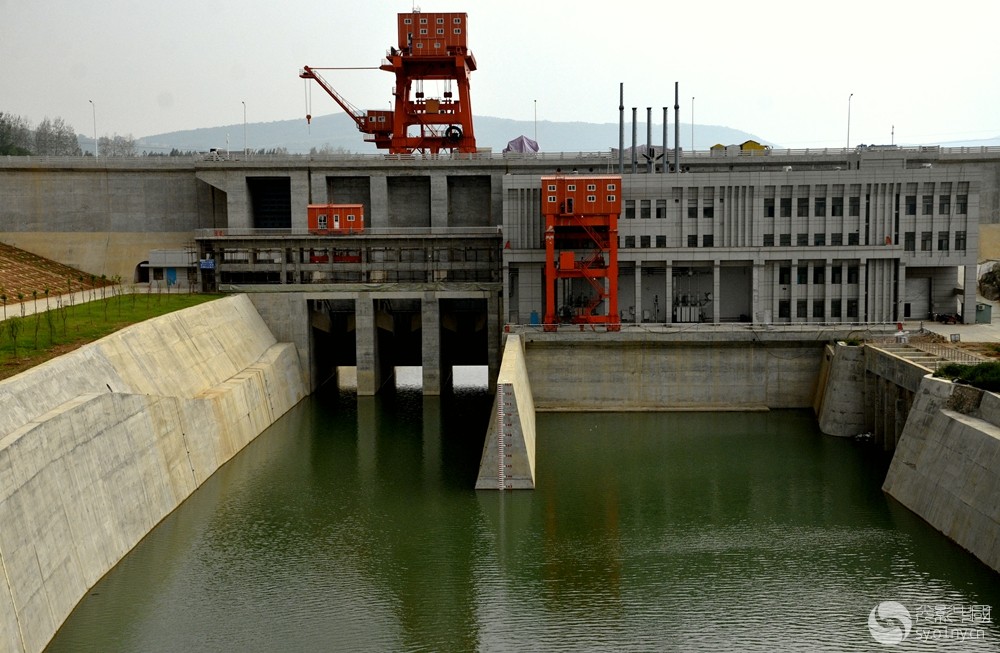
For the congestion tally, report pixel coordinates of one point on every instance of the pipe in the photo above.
(649, 139)
(677, 128)
(664, 165)
(634, 160)
(621, 128)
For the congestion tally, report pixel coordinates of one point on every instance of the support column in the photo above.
(901, 292)
(969, 298)
(827, 290)
(379, 188)
(716, 313)
(430, 343)
(366, 347)
(668, 293)
(494, 310)
(793, 292)
(439, 201)
(638, 292)
(756, 313)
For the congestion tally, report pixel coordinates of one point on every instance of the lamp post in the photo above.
(536, 120)
(244, 129)
(93, 108)
(849, 120)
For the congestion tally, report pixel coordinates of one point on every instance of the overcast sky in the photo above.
(783, 71)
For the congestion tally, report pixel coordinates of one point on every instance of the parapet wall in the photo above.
(945, 466)
(99, 445)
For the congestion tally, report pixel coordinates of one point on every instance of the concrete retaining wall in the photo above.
(842, 410)
(99, 445)
(946, 467)
(658, 374)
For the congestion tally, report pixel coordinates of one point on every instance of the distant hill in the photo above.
(338, 132)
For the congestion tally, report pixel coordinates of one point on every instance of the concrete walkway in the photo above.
(986, 332)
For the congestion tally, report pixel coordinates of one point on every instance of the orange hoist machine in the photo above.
(581, 249)
(430, 47)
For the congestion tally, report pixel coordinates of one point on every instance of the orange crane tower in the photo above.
(430, 47)
(581, 242)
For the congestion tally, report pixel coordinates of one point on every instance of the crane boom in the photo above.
(356, 114)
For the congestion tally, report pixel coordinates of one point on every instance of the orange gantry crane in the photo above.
(430, 47)
(581, 243)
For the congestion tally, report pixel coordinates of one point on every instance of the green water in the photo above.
(352, 526)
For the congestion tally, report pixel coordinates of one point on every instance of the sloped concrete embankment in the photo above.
(946, 467)
(98, 446)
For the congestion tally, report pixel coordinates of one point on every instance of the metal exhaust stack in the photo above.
(665, 166)
(649, 139)
(677, 128)
(621, 128)
(634, 159)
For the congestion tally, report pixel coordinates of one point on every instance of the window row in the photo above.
(927, 240)
(819, 307)
(818, 274)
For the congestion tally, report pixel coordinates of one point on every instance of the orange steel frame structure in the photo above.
(430, 47)
(581, 242)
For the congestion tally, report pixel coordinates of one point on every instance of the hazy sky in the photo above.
(781, 70)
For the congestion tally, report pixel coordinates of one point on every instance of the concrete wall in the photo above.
(653, 372)
(99, 445)
(842, 408)
(947, 465)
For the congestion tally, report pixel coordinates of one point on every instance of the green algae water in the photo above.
(351, 525)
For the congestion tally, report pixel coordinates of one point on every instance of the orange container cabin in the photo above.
(336, 218)
(432, 34)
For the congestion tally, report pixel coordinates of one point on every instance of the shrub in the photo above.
(985, 376)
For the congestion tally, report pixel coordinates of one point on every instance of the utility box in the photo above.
(984, 314)
(336, 218)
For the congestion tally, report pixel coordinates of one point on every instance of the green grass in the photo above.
(50, 333)
(985, 376)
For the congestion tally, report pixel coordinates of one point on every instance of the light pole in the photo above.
(244, 129)
(849, 120)
(536, 120)
(93, 108)
(692, 123)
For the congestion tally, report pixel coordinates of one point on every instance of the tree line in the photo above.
(55, 138)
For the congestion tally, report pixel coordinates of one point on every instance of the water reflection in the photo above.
(351, 525)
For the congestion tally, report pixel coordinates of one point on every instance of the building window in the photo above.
(911, 205)
(661, 241)
(819, 240)
(708, 211)
(785, 240)
(801, 275)
(784, 275)
(784, 308)
(943, 240)
(786, 207)
(591, 188)
(612, 187)
(818, 308)
(440, 31)
(801, 308)
(571, 188)
(944, 204)
(645, 212)
(768, 240)
(837, 275)
(693, 208)
(803, 208)
(611, 198)
(661, 209)
(552, 199)
(835, 308)
(644, 241)
(708, 240)
(692, 240)
(837, 239)
(407, 21)
(552, 188)
(925, 241)
(629, 242)
(962, 204)
(819, 275)
(852, 239)
(928, 205)
(768, 207)
(321, 221)
(820, 206)
(629, 209)
(854, 207)
(350, 217)
(910, 241)
(802, 240)
(591, 198)
(959, 241)
(852, 276)
(837, 207)
(852, 308)
(423, 31)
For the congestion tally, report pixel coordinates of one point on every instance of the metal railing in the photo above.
(394, 232)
